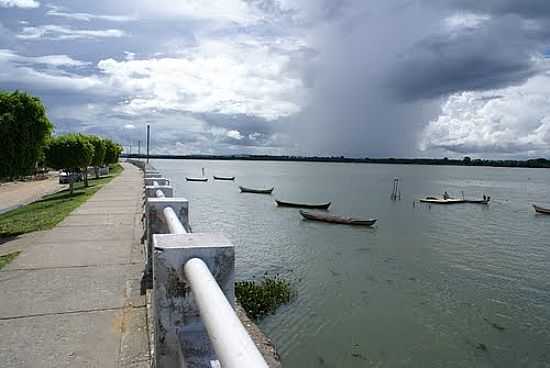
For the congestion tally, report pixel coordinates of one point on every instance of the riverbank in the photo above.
(72, 296)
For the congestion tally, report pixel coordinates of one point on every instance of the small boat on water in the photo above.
(320, 206)
(195, 179)
(336, 219)
(257, 191)
(435, 200)
(477, 201)
(542, 210)
(224, 177)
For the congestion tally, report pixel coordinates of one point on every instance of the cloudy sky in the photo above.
(333, 77)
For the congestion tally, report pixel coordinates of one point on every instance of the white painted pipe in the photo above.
(159, 192)
(234, 347)
(173, 222)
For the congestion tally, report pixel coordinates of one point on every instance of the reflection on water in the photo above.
(428, 286)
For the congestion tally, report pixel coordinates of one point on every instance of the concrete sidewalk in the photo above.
(72, 297)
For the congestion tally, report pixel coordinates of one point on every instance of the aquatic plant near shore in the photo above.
(260, 298)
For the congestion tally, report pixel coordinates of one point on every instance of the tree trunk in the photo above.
(86, 177)
(96, 172)
(71, 181)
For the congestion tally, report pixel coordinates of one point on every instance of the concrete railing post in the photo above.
(159, 180)
(151, 174)
(180, 336)
(151, 190)
(156, 223)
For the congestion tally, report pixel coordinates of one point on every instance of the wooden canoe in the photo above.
(542, 210)
(320, 206)
(336, 219)
(196, 179)
(477, 201)
(257, 191)
(434, 200)
(224, 177)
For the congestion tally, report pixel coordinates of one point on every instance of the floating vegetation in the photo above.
(260, 298)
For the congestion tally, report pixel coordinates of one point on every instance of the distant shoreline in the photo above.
(533, 163)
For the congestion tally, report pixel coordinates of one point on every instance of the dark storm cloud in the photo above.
(474, 59)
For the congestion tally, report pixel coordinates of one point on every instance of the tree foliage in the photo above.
(99, 149)
(24, 129)
(71, 153)
(112, 152)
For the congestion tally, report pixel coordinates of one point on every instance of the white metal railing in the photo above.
(232, 344)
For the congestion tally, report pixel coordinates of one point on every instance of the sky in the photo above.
(361, 78)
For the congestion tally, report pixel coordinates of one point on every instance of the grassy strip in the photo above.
(260, 298)
(7, 258)
(52, 209)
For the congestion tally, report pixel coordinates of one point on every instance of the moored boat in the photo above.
(477, 201)
(538, 209)
(321, 206)
(257, 191)
(195, 179)
(435, 200)
(224, 177)
(322, 217)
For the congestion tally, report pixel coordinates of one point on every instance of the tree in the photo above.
(24, 129)
(112, 152)
(467, 160)
(100, 148)
(70, 153)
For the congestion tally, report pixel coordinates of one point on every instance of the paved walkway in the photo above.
(19, 193)
(71, 298)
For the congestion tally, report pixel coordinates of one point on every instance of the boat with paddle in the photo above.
(195, 179)
(323, 217)
(257, 191)
(320, 206)
(538, 209)
(231, 178)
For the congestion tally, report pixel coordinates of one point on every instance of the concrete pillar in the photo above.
(150, 190)
(159, 180)
(155, 224)
(179, 332)
(151, 174)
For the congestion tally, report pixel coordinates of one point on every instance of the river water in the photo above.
(442, 286)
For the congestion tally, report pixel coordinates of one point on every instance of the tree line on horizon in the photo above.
(27, 141)
(466, 161)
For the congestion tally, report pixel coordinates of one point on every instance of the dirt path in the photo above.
(15, 194)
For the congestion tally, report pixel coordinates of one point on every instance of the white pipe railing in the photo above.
(233, 345)
(174, 224)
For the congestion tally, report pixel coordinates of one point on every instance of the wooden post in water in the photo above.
(396, 194)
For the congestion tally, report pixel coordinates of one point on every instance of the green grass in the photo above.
(52, 209)
(7, 258)
(263, 297)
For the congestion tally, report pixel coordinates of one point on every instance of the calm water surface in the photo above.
(446, 286)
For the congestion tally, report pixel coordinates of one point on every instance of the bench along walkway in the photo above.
(72, 297)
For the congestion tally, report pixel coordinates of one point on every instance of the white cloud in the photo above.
(228, 76)
(52, 60)
(464, 21)
(129, 126)
(86, 17)
(234, 11)
(509, 120)
(28, 4)
(55, 32)
(235, 134)
(22, 70)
